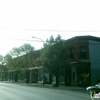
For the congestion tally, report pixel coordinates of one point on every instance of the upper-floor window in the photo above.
(83, 52)
(72, 53)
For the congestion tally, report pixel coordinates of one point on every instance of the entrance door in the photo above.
(73, 75)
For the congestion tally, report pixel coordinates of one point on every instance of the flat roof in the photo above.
(86, 37)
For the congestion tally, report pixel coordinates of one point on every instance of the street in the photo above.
(9, 91)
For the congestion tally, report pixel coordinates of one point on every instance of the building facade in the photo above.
(84, 54)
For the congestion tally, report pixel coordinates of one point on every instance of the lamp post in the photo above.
(38, 38)
(43, 70)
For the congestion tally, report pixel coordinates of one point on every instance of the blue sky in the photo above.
(22, 19)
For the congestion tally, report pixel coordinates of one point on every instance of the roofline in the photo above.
(86, 37)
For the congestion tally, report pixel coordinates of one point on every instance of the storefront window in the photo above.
(83, 71)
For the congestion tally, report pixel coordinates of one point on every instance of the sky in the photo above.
(22, 19)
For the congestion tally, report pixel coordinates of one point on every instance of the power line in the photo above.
(65, 30)
(52, 30)
(98, 43)
(21, 39)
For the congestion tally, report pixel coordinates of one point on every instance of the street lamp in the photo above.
(43, 44)
(38, 38)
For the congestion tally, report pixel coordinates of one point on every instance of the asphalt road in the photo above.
(9, 91)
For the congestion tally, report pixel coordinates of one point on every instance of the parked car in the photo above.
(94, 91)
(95, 88)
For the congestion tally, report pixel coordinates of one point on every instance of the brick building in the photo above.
(84, 54)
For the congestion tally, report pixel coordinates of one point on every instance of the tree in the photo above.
(54, 57)
(3, 68)
(13, 59)
(27, 51)
(8, 60)
(1, 59)
(20, 58)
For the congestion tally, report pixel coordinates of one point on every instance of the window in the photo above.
(72, 53)
(83, 52)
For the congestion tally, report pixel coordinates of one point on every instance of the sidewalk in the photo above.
(61, 87)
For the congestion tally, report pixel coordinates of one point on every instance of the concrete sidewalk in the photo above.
(61, 87)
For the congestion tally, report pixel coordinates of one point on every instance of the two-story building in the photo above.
(84, 53)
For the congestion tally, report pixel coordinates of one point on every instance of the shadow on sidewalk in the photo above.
(50, 86)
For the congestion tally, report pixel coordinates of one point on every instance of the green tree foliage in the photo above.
(13, 59)
(20, 58)
(27, 51)
(28, 58)
(16, 56)
(58, 38)
(9, 62)
(1, 59)
(3, 68)
(54, 56)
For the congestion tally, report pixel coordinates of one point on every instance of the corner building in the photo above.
(84, 52)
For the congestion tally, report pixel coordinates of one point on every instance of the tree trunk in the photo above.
(66, 82)
(27, 76)
(50, 79)
(57, 81)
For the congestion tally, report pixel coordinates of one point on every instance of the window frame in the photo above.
(83, 54)
(71, 53)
